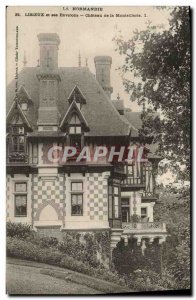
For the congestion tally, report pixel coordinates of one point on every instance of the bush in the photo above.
(25, 249)
(79, 251)
(46, 242)
(19, 230)
(148, 280)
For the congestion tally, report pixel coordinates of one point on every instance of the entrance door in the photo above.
(125, 210)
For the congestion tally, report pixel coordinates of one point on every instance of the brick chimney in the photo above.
(48, 43)
(47, 74)
(103, 66)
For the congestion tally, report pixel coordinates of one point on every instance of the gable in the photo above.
(74, 116)
(23, 95)
(16, 116)
(76, 95)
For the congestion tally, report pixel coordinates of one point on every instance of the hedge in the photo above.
(25, 249)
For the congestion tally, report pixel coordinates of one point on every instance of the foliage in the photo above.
(78, 250)
(87, 246)
(143, 272)
(148, 280)
(159, 64)
(46, 242)
(18, 230)
(91, 248)
(128, 259)
(26, 249)
(135, 218)
(175, 208)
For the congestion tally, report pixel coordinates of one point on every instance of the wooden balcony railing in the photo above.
(133, 181)
(17, 157)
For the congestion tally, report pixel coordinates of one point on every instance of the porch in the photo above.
(139, 231)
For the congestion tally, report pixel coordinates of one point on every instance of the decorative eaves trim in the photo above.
(70, 109)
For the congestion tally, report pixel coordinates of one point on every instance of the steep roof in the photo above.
(101, 116)
(118, 104)
(134, 117)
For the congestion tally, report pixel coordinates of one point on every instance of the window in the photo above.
(77, 198)
(113, 202)
(116, 202)
(110, 201)
(116, 207)
(18, 139)
(143, 213)
(75, 125)
(20, 199)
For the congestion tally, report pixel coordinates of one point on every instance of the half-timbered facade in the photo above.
(61, 106)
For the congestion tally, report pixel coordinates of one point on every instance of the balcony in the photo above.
(133, 182)
(17, 158)
(144, 227)
(17, 162)
(144, 230)
(141, 231)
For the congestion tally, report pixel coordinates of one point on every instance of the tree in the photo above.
(156, 72)
(175, 208)
(159, 60)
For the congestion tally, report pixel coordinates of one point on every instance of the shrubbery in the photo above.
(148, 280)
(19, 230)
(26, 249)
(46, 242)
(78, 251)
(83, 247)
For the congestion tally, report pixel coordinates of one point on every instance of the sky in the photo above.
(90, 35)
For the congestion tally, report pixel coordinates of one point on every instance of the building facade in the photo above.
(60, 107)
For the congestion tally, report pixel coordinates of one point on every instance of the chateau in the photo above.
(70, 106)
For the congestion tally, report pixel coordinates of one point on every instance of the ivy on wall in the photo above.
(93, 247)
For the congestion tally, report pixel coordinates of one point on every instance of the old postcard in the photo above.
(98, 150)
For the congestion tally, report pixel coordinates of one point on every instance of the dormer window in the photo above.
(24, 99)
(75, 125)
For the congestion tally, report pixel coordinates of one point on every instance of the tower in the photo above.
(103, 66)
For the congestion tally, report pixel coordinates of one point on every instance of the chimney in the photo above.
(103, 66)
(48, 76)
(48, 43)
